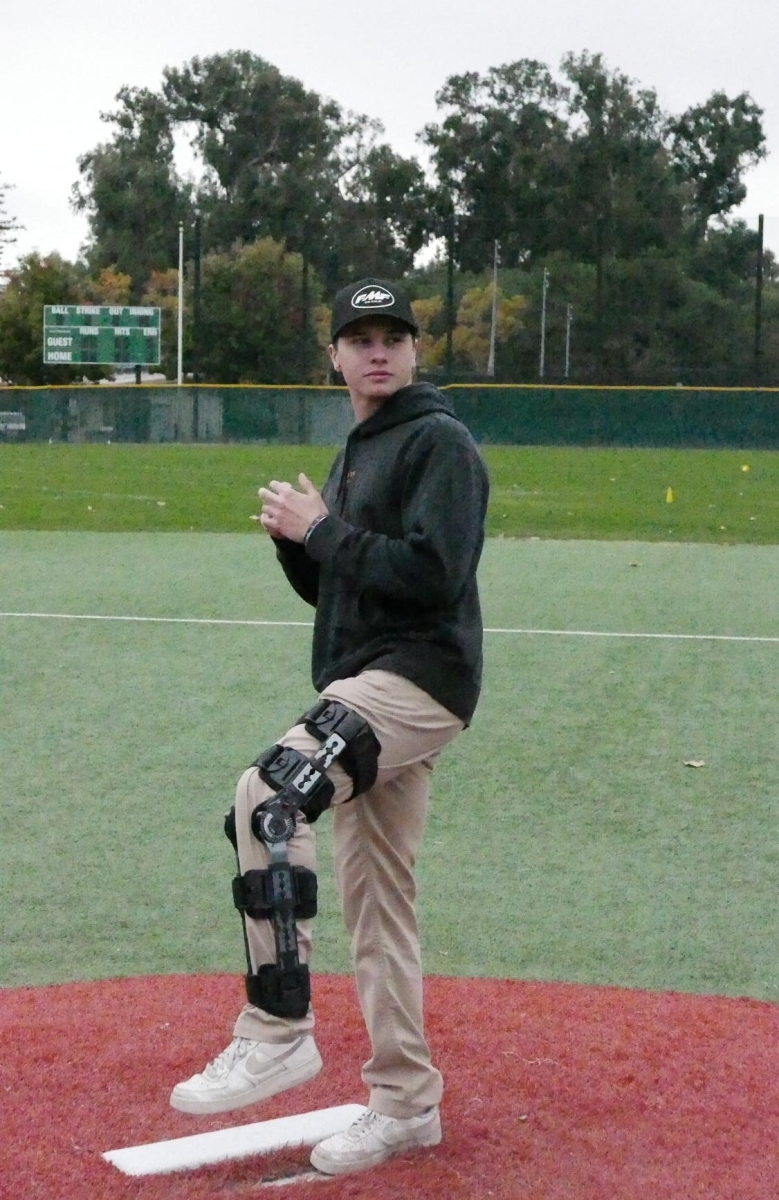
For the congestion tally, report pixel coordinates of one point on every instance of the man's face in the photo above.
(376, 357)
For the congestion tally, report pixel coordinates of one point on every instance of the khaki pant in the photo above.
(376, 839)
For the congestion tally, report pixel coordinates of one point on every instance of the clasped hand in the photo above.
(288, 513)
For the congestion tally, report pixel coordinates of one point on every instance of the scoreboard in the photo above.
(109, 334)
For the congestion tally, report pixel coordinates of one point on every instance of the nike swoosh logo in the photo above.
(264, 1068)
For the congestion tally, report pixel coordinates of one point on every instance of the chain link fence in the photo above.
(495, 414)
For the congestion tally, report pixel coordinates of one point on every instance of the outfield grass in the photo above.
(567, 838)
(566, 813)
(558, 492)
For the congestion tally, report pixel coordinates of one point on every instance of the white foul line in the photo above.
(154, 620)
(584, 633)
(679, 637)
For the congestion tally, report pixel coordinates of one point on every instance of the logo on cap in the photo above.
(373, 297)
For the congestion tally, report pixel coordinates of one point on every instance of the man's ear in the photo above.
(332, 350)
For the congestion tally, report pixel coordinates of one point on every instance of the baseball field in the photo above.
(599, 878)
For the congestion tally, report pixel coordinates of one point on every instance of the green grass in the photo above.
(563, 492)
(548, 492)
(567, 839)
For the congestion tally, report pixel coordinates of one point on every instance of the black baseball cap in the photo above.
(371, 298)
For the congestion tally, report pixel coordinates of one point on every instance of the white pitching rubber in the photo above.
(201, 1149)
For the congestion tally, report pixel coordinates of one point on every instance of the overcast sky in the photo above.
(63, 61)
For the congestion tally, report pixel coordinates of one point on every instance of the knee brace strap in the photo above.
(301, 781)
(259, 893)
(279, 990)
(350, 738)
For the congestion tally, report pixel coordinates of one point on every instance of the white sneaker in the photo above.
(374, 1137)
(247, 1071)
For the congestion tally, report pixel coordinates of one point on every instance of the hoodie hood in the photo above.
(407, 404)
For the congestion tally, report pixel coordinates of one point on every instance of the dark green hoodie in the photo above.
(392, 568)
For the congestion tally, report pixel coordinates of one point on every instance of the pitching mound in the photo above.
(553, 1091)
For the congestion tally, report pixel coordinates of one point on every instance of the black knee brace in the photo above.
(301, 782)
(283, 893)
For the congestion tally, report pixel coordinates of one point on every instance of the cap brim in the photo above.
(413, 329)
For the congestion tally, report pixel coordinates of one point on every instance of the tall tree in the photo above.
(621, 194)
(282, 162)
(265, 143)
(276, 160)
(381, 217)
(577, 165)
(252, 319)
(130, 191)
(500, 154)
(34, 282)
(622, 199)
(713, 145)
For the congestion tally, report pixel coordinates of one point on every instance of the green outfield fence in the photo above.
(497, 414)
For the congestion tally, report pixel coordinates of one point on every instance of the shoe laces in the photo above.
(364, 1124)
(238, 1048)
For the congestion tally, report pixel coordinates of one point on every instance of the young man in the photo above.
(388, 555)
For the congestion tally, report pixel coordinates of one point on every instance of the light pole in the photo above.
(759, 304)
(180, 373)
(568, 320)
(544, 290)
(196, 282)
(494, 321)
(450, 313)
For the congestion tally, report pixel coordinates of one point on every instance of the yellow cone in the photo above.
(669, 496)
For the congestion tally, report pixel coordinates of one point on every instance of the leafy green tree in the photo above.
(577, 166)
(588, 165)
(264, 141)
(713, 145)
(500, 153)
(623, 201)
(130, 191)
(277, 161)
(252, 317)
(622, 197)
(37, 281)
(381, 218)
(280, 161)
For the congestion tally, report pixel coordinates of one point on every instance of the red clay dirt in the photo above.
(553, 1091)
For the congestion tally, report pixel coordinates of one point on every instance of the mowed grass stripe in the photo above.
(723, 496)
(566, 810)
